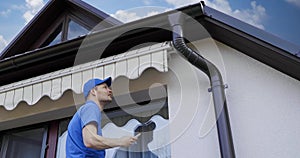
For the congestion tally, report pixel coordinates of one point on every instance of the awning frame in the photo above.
(130, 64)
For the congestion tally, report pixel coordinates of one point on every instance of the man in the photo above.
(84, 131)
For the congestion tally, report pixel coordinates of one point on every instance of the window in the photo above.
(145, 115)
(62, 138)
(55, 37)
(75, 30)
(67, 29)
(24, 144)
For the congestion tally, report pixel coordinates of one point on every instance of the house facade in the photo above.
(155, 86)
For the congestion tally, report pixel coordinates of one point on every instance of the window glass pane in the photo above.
(145, 116)
(75, 30)
(54, 38)
(25, 144)
(62, 137)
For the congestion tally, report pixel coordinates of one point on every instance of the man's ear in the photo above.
(93, 91)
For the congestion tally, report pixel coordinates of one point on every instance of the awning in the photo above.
(130, 64)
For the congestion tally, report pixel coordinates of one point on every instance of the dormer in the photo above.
(58, 21)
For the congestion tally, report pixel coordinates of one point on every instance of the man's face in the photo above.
(103, 93)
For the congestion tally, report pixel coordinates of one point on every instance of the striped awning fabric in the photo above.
(130, 64)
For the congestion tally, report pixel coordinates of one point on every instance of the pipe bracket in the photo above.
(225, 86)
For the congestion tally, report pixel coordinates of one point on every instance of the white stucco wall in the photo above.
(190, 104)
(264, 104)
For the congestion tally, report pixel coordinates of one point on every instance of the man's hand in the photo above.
(126, 141)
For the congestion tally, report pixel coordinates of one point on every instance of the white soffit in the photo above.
(130, 64)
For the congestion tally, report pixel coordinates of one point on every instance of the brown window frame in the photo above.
(64, 21)
(52, 139)
(29, 127)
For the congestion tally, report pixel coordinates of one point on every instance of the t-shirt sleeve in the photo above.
(90, 113)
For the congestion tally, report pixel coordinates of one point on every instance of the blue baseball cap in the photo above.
(90, 84)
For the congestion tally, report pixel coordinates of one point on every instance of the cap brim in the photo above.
(107, 81)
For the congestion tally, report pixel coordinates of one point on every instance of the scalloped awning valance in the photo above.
(130, 64)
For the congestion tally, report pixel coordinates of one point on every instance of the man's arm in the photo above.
(92, 140)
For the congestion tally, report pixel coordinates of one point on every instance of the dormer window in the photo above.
(75, 30)
(68, 29)
(54, 38)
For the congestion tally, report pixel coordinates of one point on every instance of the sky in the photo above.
(278, 17)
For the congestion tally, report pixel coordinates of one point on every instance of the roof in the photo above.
(117, 39)
(252, 31)
(254, 42)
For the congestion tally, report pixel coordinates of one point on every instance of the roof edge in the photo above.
(91, 9)
(25, 29)
(252, 31)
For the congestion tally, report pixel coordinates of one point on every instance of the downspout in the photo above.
(216, 82)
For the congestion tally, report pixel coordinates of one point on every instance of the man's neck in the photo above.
(100, 105)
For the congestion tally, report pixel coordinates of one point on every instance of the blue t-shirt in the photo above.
(75, 148)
